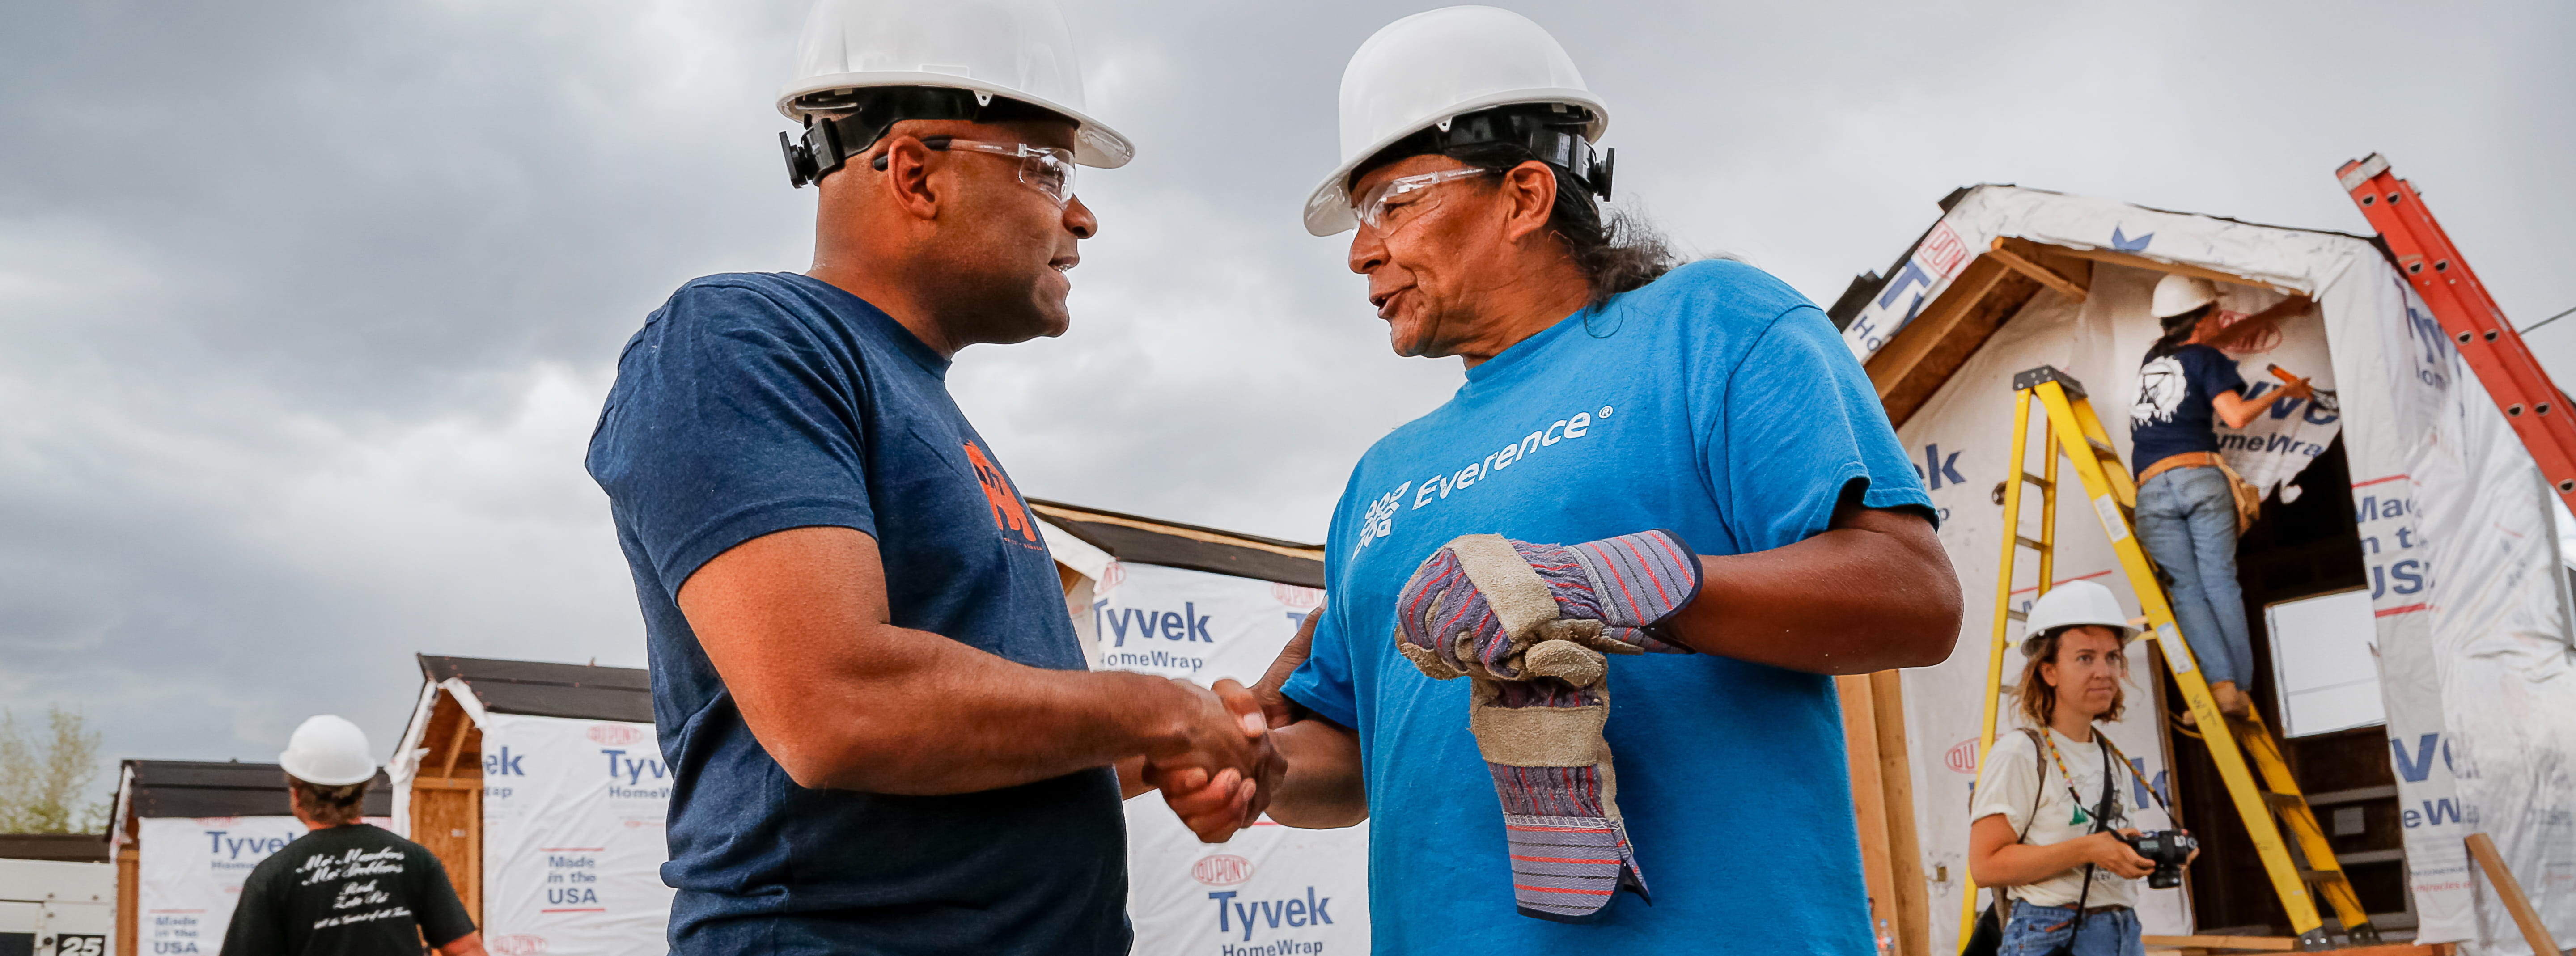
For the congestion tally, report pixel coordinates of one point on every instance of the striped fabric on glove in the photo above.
(1531, 625)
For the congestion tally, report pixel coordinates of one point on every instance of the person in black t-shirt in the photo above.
(347, 888)
(2187, 518)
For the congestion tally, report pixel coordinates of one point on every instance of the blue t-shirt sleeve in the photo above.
(728, 422)
(1323, 683)
(1800, 423)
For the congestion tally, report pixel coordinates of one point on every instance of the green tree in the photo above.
(44, 771)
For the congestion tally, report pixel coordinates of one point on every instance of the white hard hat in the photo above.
(1014, 49)
(1428, 68)
(2177, 294)
(328, 750)
(2074, 603)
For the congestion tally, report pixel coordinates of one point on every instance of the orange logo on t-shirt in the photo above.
(1009, 514)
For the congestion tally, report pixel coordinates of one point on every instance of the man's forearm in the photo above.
(953, 719)
(1873, 592)
(795, 624)
(1323, 788)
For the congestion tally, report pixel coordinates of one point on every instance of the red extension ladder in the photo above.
(2535, 407)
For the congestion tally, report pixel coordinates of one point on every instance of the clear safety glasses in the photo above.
(1046, 168)
(1373, 206)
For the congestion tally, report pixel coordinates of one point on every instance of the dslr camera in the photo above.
(2167, 849)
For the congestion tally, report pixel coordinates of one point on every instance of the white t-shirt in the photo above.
(2006, 787)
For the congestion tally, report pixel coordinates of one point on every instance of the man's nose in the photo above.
(1368, 250)
(1079, 220)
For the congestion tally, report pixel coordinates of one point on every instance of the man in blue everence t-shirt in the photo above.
(1698, 428)
(882, 735)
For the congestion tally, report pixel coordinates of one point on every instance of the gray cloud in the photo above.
(305, 308)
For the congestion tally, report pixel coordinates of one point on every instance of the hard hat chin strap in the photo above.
(864, 117)
(1555, 137)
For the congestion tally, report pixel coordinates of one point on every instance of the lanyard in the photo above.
(2109, 808)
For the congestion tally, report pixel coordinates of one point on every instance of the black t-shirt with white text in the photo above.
(346, 891)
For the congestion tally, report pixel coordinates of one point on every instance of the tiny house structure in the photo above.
(186, 834)
(2405, 582)
(541, 788)
(1176, 600)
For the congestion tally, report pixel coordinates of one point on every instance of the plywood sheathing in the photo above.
(447, 800)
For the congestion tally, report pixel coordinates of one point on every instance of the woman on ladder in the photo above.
(2047, 815)
(2188, 508)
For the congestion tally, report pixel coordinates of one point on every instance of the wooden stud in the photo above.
(2279, 944)
(2003, 252)
(456, 741)
(129, 901)
(1904, 848)
(2176, 268)
(1869, 798)
(2509, 890)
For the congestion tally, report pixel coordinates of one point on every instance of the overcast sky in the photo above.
(306, 308)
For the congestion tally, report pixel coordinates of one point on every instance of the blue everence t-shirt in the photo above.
(1716, 402)
(754, 403)
(2174, 413)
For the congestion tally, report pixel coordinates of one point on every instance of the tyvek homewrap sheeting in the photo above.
(2481, 718)
(573, 838)
(1271, 890)
(2459, 533)
(191, 874)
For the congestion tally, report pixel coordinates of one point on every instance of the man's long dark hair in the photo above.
(1616, 252)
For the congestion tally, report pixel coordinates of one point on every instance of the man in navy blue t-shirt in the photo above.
(1627, 432)
(883, 736)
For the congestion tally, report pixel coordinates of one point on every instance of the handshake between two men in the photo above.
(1530, 623)
(1216, 763)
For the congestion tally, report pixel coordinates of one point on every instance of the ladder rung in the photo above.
(2324, 877)
(2043, 483)
(2285, 801)
(2017, 615)
(2102, 448)
(2031, 544)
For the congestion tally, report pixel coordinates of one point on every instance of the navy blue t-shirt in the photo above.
(755, 403)
(2174, 414)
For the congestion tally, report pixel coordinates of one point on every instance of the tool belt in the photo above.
(2249, 499)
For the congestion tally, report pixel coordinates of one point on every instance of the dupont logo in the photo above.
(1962, 758)
(616, 735)
(1300, 598)
(516, 944)
(1223, 869)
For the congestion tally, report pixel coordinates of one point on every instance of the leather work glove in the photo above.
(1607, 594)
(1531, 626)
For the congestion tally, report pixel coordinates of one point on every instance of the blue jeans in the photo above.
(2035, 930)
(2187, 523)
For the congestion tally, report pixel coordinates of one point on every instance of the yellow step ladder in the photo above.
(2079, 438)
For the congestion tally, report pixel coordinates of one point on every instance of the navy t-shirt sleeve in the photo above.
(1799, 423)
(2214, 372)
(739, 427)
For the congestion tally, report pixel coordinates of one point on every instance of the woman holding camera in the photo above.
(2048, 813)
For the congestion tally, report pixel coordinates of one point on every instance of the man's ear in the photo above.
(1529, 191)
(906, 177)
